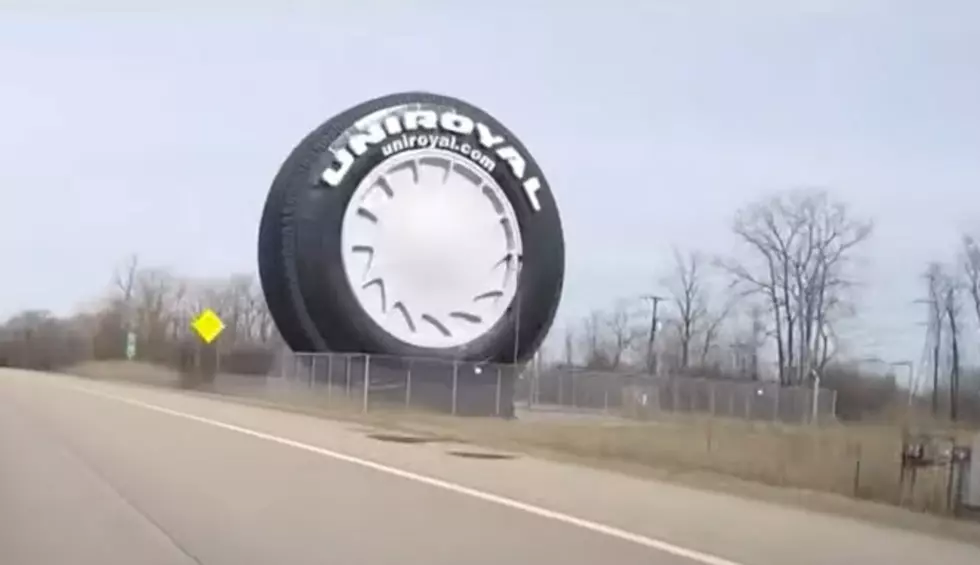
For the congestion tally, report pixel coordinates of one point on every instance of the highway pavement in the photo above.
(111, 474)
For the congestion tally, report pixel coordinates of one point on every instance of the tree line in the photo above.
(154, 304)
(788, 289)
(952, 297)
(785, 295)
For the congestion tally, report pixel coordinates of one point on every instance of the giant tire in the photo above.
(311, 299)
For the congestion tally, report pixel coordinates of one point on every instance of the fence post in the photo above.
(711, 397)
(367, 381)
(313, 370)
(496, 399)
(408, 385)
(675, 396)
(531, 383)
(574, 391)
(816, 400)
(748, 403)
(329, 375)
(856, 489)
(537, 386)
(282, 363)
(455, 384)
(775, 409)
(561, 387)
(347, 370)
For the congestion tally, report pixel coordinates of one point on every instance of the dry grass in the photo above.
(859, 461)
(142, 373)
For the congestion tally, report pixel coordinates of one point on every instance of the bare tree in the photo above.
(828, 339)
(971, 271)
(712, 327)
(238, 301)
(28, 322)
(124, 279)
(234, 297)
(750, 335)
(951, 305)
(265, 329)
(802, 244)
(156, 291)
(687, 294)
(592, 328)
(182, 312)
(153, 303)
(695, 317)
(623, 332)
(936, 283)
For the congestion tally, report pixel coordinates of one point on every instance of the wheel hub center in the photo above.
(435, 239)
(426, 240)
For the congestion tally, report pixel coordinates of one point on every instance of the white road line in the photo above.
(660, 545)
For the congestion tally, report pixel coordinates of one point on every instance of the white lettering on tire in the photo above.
(456, 123)
(380, 133)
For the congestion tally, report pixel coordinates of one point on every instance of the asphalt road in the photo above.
(109, 474)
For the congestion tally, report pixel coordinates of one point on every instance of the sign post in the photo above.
(130, 346)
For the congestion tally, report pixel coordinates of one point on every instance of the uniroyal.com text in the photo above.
(437, 141)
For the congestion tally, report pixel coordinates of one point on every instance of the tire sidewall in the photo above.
(330, 302)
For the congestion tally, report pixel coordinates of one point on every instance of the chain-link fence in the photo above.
(367, 382)
(646, 397)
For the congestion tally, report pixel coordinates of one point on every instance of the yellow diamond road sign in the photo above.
(208, 325)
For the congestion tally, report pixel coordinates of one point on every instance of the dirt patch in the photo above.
(128, 371)
(482, 455)
(401, 438)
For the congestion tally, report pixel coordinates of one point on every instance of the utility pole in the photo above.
(952, 310)
(651, 355)
(934, 337)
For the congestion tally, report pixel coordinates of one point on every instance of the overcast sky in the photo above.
(160, 133)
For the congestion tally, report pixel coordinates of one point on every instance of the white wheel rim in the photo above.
(431, 248)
